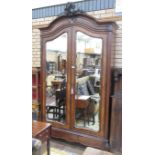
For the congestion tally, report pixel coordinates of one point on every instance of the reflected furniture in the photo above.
(82, 103)
(57, 83)
(85, 87)
(42, 131)
(73, 38)
(51, 67)
(57, 108)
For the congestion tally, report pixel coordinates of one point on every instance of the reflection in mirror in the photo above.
(88, 66)
(56, 79)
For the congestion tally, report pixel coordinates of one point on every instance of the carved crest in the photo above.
(70, 10)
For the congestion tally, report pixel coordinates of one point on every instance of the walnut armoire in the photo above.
(67, 43)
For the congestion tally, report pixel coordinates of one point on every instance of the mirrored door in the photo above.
(56, 79)
(87, 84)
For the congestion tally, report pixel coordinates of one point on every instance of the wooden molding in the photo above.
(106, 19)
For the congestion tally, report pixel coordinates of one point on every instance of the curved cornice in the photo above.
(81, 20)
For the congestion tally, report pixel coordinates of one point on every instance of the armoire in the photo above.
(76, 87)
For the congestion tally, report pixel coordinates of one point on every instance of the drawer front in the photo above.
(44, 135)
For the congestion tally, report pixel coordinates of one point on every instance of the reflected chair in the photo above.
(93, 109)
(58, 108)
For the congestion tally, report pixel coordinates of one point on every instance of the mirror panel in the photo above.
(56, 79)
(88, 73)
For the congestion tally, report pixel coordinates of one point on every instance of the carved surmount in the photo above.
(70, 10)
